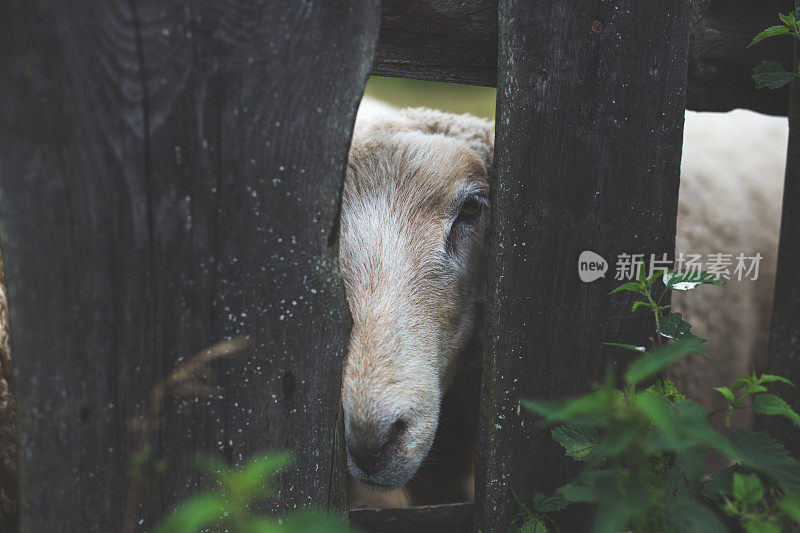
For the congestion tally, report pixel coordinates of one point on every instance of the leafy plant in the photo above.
(231, 505)
(771, 74)
(644, 445)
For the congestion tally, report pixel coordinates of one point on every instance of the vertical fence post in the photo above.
(591, 98)
(784, 346)
(169, 177)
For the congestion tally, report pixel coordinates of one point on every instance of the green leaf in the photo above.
(578, 440)
(684, 281)
(532, 524)
(725, 391)
(546, 504)
(790, 504)
(772, 31)
(655, 361)
(667, 389)
(722, 480)
(710, 491)
(674, 327)
(626, 346)
(591, 485)
(760, 451)
(633, 286)
(617, 439)
(747, 488)
(252, 479)
(686, 514)
(771, 74)
(652, 279)
(589, 409)
(677, 426)
(691, 461)
(755, 388)
(739, 383)
(768, 378)
(194, 514)
(617, 493)
(618, 508)
(639, 303)
(757, 526)
(769, 404)
(789, 20)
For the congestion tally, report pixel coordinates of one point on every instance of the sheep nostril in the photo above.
(366, 456)
(398, 428)
(369, 454)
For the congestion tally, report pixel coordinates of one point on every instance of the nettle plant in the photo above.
(644, 445)
(771, 74)
(234, 505)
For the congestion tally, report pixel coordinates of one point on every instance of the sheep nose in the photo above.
(369, 452)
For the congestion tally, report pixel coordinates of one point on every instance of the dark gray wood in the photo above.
(169, 177)
(784, 348)
(444, 40)
(438, 40)
(587, 157)
(451, 517)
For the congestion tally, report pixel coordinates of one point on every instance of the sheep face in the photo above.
(414, 217)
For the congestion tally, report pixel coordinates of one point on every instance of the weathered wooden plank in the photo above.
(784, 348)
(451, 517)
(170, 177)
(441, 40)
(587, 157)
(438, 40)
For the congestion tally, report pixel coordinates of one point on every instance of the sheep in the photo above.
(729, 201)
(412, 255)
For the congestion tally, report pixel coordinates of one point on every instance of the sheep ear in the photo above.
(476, 132)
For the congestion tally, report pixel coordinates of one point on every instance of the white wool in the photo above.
(730, 202)
(371, 109)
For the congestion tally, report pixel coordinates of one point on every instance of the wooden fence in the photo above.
(170, 176)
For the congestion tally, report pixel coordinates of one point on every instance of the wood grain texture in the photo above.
(169, 177)
(784, 347)
(447, 518)
(438, 40)
(588, 144)
(456, 41)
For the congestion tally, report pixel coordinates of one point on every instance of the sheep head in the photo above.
(413, 224)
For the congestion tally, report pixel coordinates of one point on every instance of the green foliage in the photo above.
(769, 404)
(754, 388)
(643, 448)
(578, 441)
(536, 520)
(771, 74)
(657, 360)
(772, 31)
(231, 506)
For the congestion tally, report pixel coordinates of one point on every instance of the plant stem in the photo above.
(656, 314)
(723, 409)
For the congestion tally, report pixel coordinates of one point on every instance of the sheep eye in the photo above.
(469, 210)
